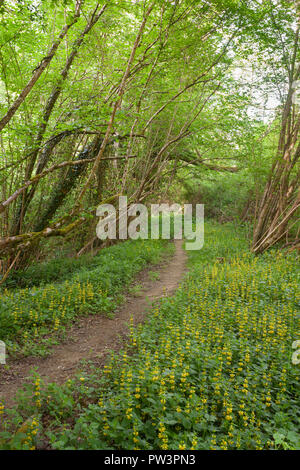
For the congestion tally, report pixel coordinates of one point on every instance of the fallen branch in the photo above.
(230, 169)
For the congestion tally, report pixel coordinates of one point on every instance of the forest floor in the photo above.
(209, 366)
(95, 336)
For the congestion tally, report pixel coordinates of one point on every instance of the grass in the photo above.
(210, 369)
(53, 271)
(153, 275)
(33, 318)
(136, 291)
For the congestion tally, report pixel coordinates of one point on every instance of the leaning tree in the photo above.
(280, 203)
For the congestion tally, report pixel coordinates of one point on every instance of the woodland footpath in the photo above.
(148, 345)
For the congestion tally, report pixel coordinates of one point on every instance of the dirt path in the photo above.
(94, 336)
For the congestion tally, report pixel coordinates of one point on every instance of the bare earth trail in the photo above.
(95, 335)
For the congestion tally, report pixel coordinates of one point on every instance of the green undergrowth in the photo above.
(211, 368)
(32, 319)
(55, 270)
